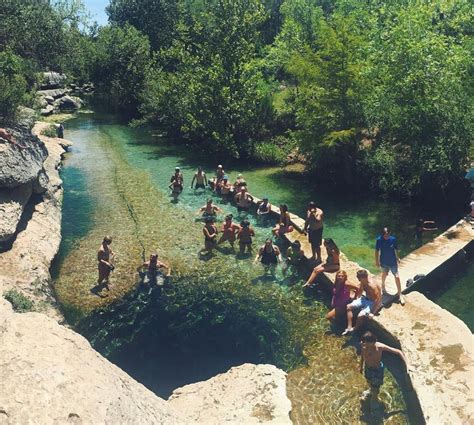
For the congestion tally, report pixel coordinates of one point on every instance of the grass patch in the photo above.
(50, 131)
(19, 302)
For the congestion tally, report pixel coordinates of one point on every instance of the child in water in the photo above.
(372, 366)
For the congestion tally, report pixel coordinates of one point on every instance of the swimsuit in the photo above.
(200, 186)
(341, 297)
(269, 257)
(374, 375)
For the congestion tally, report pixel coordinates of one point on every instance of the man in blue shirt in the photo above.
(386, 257)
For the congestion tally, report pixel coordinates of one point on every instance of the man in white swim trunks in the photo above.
(368, 303)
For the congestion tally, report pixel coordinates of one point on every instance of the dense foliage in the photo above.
(372, 93)
(40, 35)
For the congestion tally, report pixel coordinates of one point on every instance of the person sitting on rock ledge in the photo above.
(368, 304)
(372, 366)
(105, 257)
(330, 266)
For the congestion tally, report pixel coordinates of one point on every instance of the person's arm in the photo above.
(392, 350)
(171, 184)
(259, 254)
(206, 232)
(164, 265)
(192, 181)
(205, 178)
(356, 288)
(250, 197)
(278, 254)
(219, 210)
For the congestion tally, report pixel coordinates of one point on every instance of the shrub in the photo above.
(19, 302)
(50, 131)
(13, 84)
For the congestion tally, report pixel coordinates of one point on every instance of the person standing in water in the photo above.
(209, 210)
(229, 231)
(225, 188)
(372, 366)
(177, 183)
(152, 269)
(269, 255)
(105, 257)
(368, 303)
(200, 179)
(210, 234)
(386, 257)
(313, 227)
(245, 235)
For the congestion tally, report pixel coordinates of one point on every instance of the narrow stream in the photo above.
(219, 311)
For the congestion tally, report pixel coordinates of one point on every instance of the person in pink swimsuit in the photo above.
(342, 295)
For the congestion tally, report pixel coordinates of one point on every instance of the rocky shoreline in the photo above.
(51, 374)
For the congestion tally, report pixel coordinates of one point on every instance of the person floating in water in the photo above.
(200, 179)
(245, 235)
(269, 255)
(264, 208)
(368, 304)
(341, 296)
(151, 270)
(330, 266)
(229, 231)
(372, 366)
(243, 199)
(423, 226)
(105, 258)
(284, 223)
(313, 227)
(386, 257)
(177, 183)
(210, 234)
(209, 210)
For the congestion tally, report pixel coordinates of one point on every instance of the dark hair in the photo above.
(385, 231)
(229, 217)
(368, 337)
(245, 223)
(312, 204)
(283, 208)
(268, 240)
(362, 273)
(296, 244)
(209, 200)
(331, 243)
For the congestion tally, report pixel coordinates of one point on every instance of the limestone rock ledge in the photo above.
(247, 394)
(25, 267)
(51, 375)
(439, 348)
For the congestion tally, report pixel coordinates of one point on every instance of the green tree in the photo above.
(422, 101)
(13, 84)
(327, 103)
(155, 18)
(122, 56)
(212, 89)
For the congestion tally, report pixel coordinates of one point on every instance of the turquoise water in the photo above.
(221, 310)
(457, 295)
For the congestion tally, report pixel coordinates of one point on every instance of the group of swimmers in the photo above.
(365, 297)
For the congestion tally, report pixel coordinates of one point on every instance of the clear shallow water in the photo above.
(115, 183)
(457, 295)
